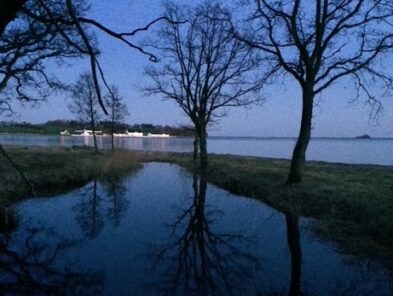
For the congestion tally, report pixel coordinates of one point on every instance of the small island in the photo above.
(364, 136)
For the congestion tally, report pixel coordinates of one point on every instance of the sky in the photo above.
(334, 114)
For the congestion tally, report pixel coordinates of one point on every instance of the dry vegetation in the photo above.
(55, 170)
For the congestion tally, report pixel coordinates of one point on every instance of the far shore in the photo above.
(224, 137)
(353, 203)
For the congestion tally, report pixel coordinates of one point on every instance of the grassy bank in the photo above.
(54, 170)
(353, 203)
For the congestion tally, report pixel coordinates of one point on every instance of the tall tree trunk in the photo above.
(299, 152)
(196, 147)
(94, 228)
(293, 236)
(112, 137)
(199, 202)
(203, 145)
(95, 142)
(93, 128)
(112, 123)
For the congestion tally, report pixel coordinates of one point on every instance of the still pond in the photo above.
(164, 231)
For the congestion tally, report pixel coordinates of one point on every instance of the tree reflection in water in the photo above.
(293, 236)
(365, 281)
(115, 191)
(31, 263)
(8, 222)
(90, 211)
(201, 261)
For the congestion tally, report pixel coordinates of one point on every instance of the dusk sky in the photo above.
(334, 115)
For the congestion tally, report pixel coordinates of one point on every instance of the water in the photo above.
(357, 151)
(163, 231)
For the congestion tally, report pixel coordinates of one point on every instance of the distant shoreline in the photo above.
(294, 138)
(233, 137)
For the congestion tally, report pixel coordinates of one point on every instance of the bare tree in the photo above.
(321, 42)
(204, 69)
(25, 47)
(62, 22)
(85, 104)
(117, 110)
(34, 31)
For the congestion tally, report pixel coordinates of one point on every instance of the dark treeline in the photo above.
(55, 126)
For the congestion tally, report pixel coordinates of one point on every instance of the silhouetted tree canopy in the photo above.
(117, 109)
(319, 43)
(84, 103)
(35, 31)
(203, 69)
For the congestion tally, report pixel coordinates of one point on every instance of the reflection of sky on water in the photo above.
(119, 226)
(330, 150)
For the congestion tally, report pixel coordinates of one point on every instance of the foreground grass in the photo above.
(353, 203)
(56, 170)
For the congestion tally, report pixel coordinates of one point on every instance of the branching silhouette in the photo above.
(51, 29)
(84, 103)
(35, 31)
(204, 70)
(115, 192)
(30, 266)
(201, 261)
(89, 213)
(319, 43)
(98, 203)
(117, 110)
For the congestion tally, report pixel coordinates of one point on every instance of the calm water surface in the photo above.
(163, 231)
(358, 151)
